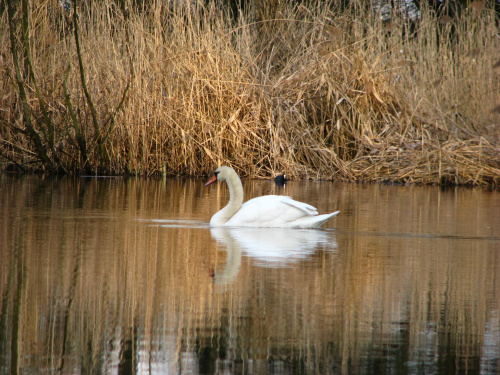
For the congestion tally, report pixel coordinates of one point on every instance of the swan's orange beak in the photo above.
(212, 180)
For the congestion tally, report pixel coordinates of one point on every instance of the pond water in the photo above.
(124, 276)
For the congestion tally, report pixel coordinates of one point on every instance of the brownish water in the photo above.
(108, 275)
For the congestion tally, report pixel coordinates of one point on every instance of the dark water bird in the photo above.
(280, 180)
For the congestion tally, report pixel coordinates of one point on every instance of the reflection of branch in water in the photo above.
(269, 247)
(3, 313)
(69, 299)
(16, 313)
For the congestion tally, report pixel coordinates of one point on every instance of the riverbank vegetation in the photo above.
(309, 89)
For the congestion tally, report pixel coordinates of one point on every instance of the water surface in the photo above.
(123, 276)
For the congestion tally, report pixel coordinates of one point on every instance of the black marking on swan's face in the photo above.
(213, 179)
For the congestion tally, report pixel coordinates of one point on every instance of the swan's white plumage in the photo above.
(267, 211)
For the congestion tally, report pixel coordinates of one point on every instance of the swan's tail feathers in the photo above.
(325, 217)
(314, 221)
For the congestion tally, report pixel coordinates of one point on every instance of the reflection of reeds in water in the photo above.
(143, 294)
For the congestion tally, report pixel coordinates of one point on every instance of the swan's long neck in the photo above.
(235, 195)
(235, 201)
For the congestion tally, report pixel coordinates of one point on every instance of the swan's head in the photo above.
(221, 174)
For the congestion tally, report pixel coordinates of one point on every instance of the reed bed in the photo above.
(310, 90)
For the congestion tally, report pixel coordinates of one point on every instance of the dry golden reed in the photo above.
(313, 91)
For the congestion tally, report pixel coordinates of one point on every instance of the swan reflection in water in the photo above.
(268, 247)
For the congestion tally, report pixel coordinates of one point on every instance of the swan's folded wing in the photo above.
(271, 211)
(306, 208)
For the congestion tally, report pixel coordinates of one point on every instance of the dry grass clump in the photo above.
(311, 90)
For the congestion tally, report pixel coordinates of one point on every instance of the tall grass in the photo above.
(312, 90)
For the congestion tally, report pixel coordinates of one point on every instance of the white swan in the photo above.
(275, 211)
